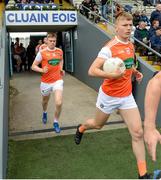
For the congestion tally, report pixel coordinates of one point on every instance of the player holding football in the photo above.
(116, 90)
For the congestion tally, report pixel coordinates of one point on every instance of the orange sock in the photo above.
(142, 168)
(81, 129)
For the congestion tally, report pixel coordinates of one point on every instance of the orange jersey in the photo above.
(51, 59)
(123, 86)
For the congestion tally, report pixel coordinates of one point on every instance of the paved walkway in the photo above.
(25, 107)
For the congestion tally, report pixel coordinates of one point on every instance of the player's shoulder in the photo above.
(111, 43)
(131, 44)
(43, 50)
(59, 50)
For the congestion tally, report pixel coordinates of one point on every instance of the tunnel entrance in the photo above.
(25, 97)
(25, 100)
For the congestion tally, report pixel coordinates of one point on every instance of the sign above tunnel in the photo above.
(36, 18)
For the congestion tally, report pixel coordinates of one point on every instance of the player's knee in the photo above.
(93, 124)
(58, 103)
(138, 134)
(98, 126)
(45, 102)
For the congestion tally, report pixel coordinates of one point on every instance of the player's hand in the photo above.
(118, 74)
(152, 137)
(45, 69)
(62, 72)
(139, 76)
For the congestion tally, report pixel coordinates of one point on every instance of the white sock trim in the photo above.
(55, 120)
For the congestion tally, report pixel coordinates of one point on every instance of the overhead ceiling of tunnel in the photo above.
(28, 28)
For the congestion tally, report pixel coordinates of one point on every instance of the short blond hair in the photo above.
(51, 35)
(124, 15)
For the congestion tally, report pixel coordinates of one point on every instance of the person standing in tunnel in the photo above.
(44, 45)
(30, 54)
(51, 60)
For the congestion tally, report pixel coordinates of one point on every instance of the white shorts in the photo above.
(47, 88)
(108, 104)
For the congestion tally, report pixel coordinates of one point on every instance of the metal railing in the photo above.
(147, 47)
(113, 32)
(98, 15)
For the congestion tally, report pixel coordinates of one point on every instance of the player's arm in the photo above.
(62, 72)
(96, 70)
(152, 98)
(61, 62)
(137, 74)
(96, 67)
(35, 65)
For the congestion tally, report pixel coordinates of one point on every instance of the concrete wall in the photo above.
(86, 47)
(4, 104)
(6, 107)
(148, 72)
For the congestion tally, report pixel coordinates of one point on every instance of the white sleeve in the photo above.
(38, 57)
(105, 53)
